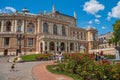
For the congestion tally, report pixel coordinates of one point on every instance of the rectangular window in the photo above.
(19, 29)
(30, 42)
(6, 41)
(30, 30)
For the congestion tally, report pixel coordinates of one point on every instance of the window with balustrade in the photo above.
(63, 31)
(19, 24)
(55, 32)
(30, 28)
(6, 41)
(30, 42)
(45, 27)
(8, 26)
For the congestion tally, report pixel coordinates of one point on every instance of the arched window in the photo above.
(63, 31)
(62, 46)
(55, 29)
(30, 28)
(52, 46)
(0, 26)
(71, 46)
(8, 26)
(45, 27)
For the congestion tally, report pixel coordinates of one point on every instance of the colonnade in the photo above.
(54, 46)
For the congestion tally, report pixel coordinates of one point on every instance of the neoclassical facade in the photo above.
(44, 32)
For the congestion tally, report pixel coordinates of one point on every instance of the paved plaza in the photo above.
(28, 71)
(22, 70)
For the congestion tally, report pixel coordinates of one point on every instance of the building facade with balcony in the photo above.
(44, 32)
(104, 43)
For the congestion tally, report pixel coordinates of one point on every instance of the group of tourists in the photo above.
(99, 56)
(58, 57)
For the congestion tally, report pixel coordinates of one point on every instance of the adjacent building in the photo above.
(104, 43)
(44, 33)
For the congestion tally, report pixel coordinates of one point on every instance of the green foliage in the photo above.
(116, 32)
(87, 68)
(36, 57)
(29, 57)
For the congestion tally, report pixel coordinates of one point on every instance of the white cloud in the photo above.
(115, 13)
(90, 22)
(93, 6)
(11, 9)
(97, 16)
(103, 27)
(8, 10)
(97, 21)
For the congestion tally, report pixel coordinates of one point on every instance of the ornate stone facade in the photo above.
(48, 32)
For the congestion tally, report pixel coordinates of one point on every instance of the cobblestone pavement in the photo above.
(22, 70)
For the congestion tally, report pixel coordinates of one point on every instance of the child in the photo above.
(13, 66)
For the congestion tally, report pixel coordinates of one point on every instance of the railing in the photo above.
(57, 37)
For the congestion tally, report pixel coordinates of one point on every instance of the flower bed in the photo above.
(85, 66)
(35, 57)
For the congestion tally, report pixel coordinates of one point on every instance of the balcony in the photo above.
(47, 36)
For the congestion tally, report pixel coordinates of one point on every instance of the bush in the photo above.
(85, 66)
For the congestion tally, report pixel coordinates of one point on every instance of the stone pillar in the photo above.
(77, 47)
(59, 46)
(74, 47)
(43, 46)
(51, 28)
(15, 25)
(3, 42)
(59, 30)
(2, 26)
(56, 46)
(68, 47)
(48, 46)
(42, 27)
(12, 27)
(23, 25)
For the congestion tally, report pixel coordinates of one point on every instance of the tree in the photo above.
(116, 36)
(116, 33)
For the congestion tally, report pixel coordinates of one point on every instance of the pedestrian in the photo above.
(12, 66)
(60, 56)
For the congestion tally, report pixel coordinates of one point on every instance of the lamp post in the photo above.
(19, 52)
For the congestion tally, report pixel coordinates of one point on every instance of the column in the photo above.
(77, 48)
(51, 30)
(15, 25)
(56, 46)
(42, 27)
(2, 26)
(74, 47)
(43, 46)
(59, 30)
(59, 46)
(12, 27)
(23, 25)
(68, 47)
(48, 46)
(3, 42)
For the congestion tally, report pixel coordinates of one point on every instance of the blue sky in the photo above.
(101, 14)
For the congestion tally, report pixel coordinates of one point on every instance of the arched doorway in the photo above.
(62, 47)
(71, 47)
(5, 52)
(52, 46)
